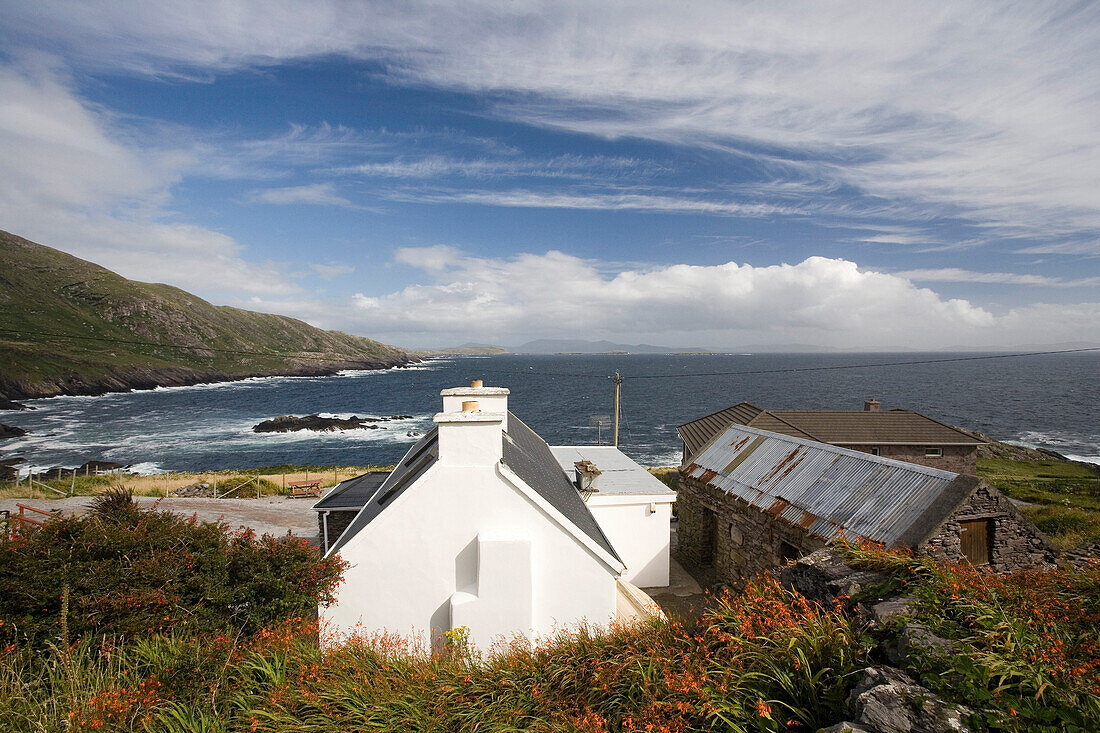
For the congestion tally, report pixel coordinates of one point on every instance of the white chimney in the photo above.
(871, 405)
(470, 431)
(491, 399)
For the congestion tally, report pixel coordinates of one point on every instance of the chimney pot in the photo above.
(476, 383)
(871, 405)
(469, 406)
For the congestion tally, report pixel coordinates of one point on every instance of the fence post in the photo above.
(72, 489)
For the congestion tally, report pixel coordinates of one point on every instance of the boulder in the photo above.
(915, 637)
(10, 431)
(200, 489)
(6, 404)
(823, 576)
(888, 611)
(886, 700)
(845, 727)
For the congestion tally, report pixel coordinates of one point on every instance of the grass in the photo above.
(272, 479)
(768, 660)
(1063, 497)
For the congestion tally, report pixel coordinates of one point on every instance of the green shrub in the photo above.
(130, 572)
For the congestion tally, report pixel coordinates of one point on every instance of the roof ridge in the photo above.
(792, 425)
(704, 417)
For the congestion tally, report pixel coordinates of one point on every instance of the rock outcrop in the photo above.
(290, 423)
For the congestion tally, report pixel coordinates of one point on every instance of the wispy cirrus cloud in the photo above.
(629, 200)
(316, 194)
(975, 109)
(956, 275)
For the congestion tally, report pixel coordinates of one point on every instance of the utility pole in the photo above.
(618, 379)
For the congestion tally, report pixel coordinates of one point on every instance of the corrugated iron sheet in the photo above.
(821, 488)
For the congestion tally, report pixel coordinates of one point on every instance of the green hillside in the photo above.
(174, 337)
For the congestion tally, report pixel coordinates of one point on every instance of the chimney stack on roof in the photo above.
(586, 475)
(871, 405)
(471, 424)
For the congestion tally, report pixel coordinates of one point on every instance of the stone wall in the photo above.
(338, 521)
(738, 540)
(955, 458)
(1016, 543)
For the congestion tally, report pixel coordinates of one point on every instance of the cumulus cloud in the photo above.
(978, 109)
(817, 301)
(69, 179)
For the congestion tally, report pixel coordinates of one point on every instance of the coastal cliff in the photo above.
(71, 327)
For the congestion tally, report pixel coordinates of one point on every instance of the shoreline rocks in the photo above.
(10, 431)
(292, 423)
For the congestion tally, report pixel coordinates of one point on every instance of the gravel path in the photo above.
(274, 515)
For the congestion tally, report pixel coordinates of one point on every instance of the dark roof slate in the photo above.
(696, 433)
(531, 459)
(353, 493)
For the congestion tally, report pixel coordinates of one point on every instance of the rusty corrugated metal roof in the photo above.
(827, 489)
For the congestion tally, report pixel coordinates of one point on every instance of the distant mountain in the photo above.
(68, 326)
(464, 350)
(577, 346)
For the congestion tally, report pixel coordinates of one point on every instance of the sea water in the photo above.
(1048, 401)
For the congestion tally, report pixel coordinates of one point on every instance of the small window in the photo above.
(933, 452)
(874, 450)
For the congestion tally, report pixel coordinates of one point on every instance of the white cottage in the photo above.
(478, 527)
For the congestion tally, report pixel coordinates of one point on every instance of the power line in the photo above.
(787, 370)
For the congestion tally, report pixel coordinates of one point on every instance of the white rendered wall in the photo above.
(410, 561)
(641, 537)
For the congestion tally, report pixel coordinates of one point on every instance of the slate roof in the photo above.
(525, 453)
(421, 457)
(837, 427)
(827, 489)
(530, 458)
(353, 493)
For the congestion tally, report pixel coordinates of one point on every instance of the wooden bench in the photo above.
(303, 489)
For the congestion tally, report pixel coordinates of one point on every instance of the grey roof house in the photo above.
(752, 499)
(904, 435)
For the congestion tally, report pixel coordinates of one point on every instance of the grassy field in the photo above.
(1063, 498)
(272, 480)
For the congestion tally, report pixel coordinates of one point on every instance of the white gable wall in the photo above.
(638, 528)
(467, 530)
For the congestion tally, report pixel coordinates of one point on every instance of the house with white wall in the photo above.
(478, 527)
(631, 505)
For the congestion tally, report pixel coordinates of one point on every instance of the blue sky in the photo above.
(856, 175)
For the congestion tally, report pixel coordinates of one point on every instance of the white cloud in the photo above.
(817, 301)
(617, 201)
(69, 180)
(318, 194)
(981, 109)
(956, 275)
(331, 270)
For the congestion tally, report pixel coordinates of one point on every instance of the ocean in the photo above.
(1048, 401)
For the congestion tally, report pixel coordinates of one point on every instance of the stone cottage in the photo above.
(752, 500)
(903, 435)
